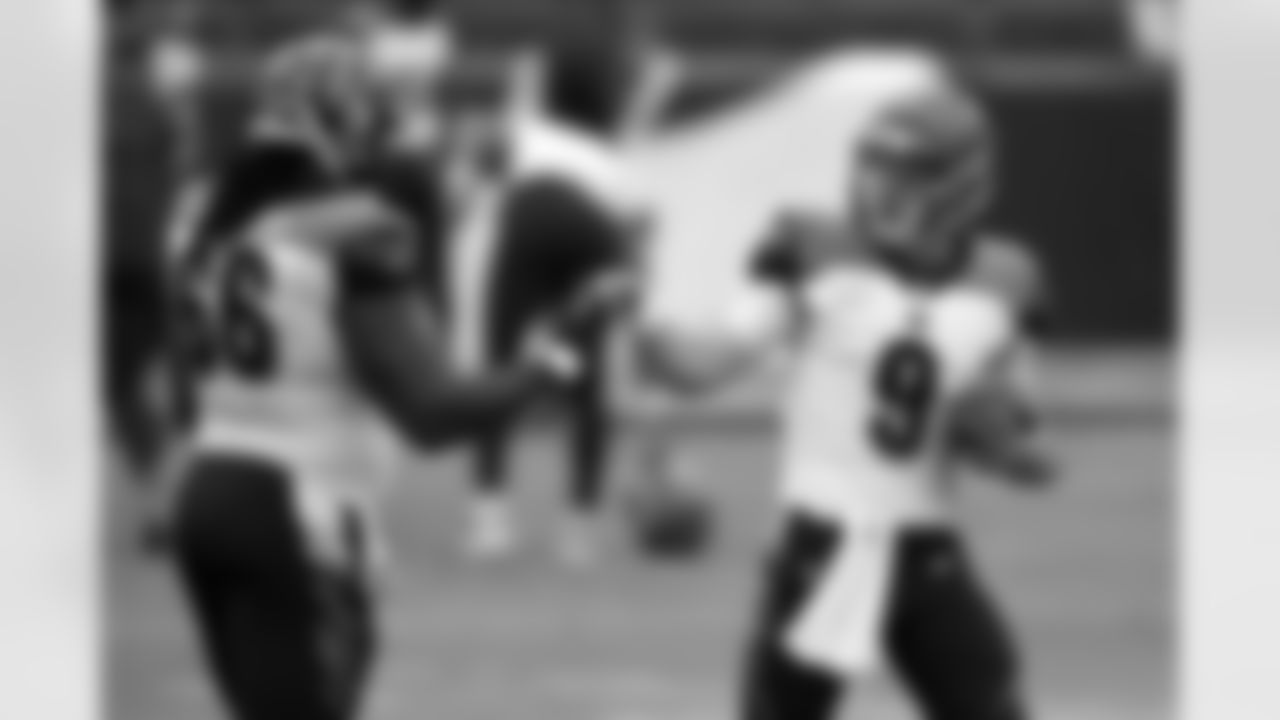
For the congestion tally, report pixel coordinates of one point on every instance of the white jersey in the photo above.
(277, 385)
(876, 364)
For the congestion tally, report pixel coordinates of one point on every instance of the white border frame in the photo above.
(49, 509)
(1230, 491)
(49, 459)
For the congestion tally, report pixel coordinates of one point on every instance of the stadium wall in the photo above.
(1090, 179)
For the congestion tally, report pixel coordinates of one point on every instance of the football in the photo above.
(988, 418)
(995, 431)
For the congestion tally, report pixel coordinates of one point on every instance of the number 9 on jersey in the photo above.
(905, 389)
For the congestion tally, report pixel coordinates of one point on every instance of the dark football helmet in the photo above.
(925, 174)
(320, 91)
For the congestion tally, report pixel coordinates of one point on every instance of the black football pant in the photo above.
(554, 238)
(943, 635)
(281, 637)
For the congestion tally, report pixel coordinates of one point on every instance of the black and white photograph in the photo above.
(639, 359)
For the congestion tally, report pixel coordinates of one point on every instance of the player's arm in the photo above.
(659, 76)
(398, 351)
(767, 311)
(170, 373)
(998, 423)
(996, 426)
(757, 320)
(800, 246)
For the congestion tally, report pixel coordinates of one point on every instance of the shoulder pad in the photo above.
(257, 180)
(372, 241)
(1010, 269)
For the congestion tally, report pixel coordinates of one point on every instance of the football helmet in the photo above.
(322, 91)
(671, 523)
(925, 173)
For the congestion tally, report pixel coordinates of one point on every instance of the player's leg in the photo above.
(580, 243)
(776, 685)
(509, 292)
(591, 426)
(253, 590)
(947, 639)
(210, 593)
(348, 626)
(492, 530)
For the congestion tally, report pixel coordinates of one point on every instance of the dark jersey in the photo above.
(589, 78)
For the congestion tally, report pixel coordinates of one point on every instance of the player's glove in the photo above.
(546, 349)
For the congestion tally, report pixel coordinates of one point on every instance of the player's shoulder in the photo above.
(369, 238)
(1006, 266)
(263, 176)
(252, 183)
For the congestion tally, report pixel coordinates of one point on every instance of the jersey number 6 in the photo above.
(905, 387)
(235, 334)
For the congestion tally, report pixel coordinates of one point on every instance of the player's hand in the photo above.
(1022, 462)
(553, 345)
(606, 295)
(799, 243)
(600, 300)
(547, 351)
(1028, 467)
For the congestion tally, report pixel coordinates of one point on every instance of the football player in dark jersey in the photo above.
(567, 211)
(306, 346)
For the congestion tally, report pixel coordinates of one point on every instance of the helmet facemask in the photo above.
(917, 195)
(321, 93)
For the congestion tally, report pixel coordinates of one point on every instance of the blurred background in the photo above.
(1084, 94)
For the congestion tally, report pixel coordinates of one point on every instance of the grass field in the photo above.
(1086, 573)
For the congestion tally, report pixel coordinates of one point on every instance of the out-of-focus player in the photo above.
(176, 69)
(908, 326)
(565, 210)
(412, 52)
(309, 347)
(412, 47)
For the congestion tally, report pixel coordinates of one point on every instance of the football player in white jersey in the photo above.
(908, 326)
(308, 345)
